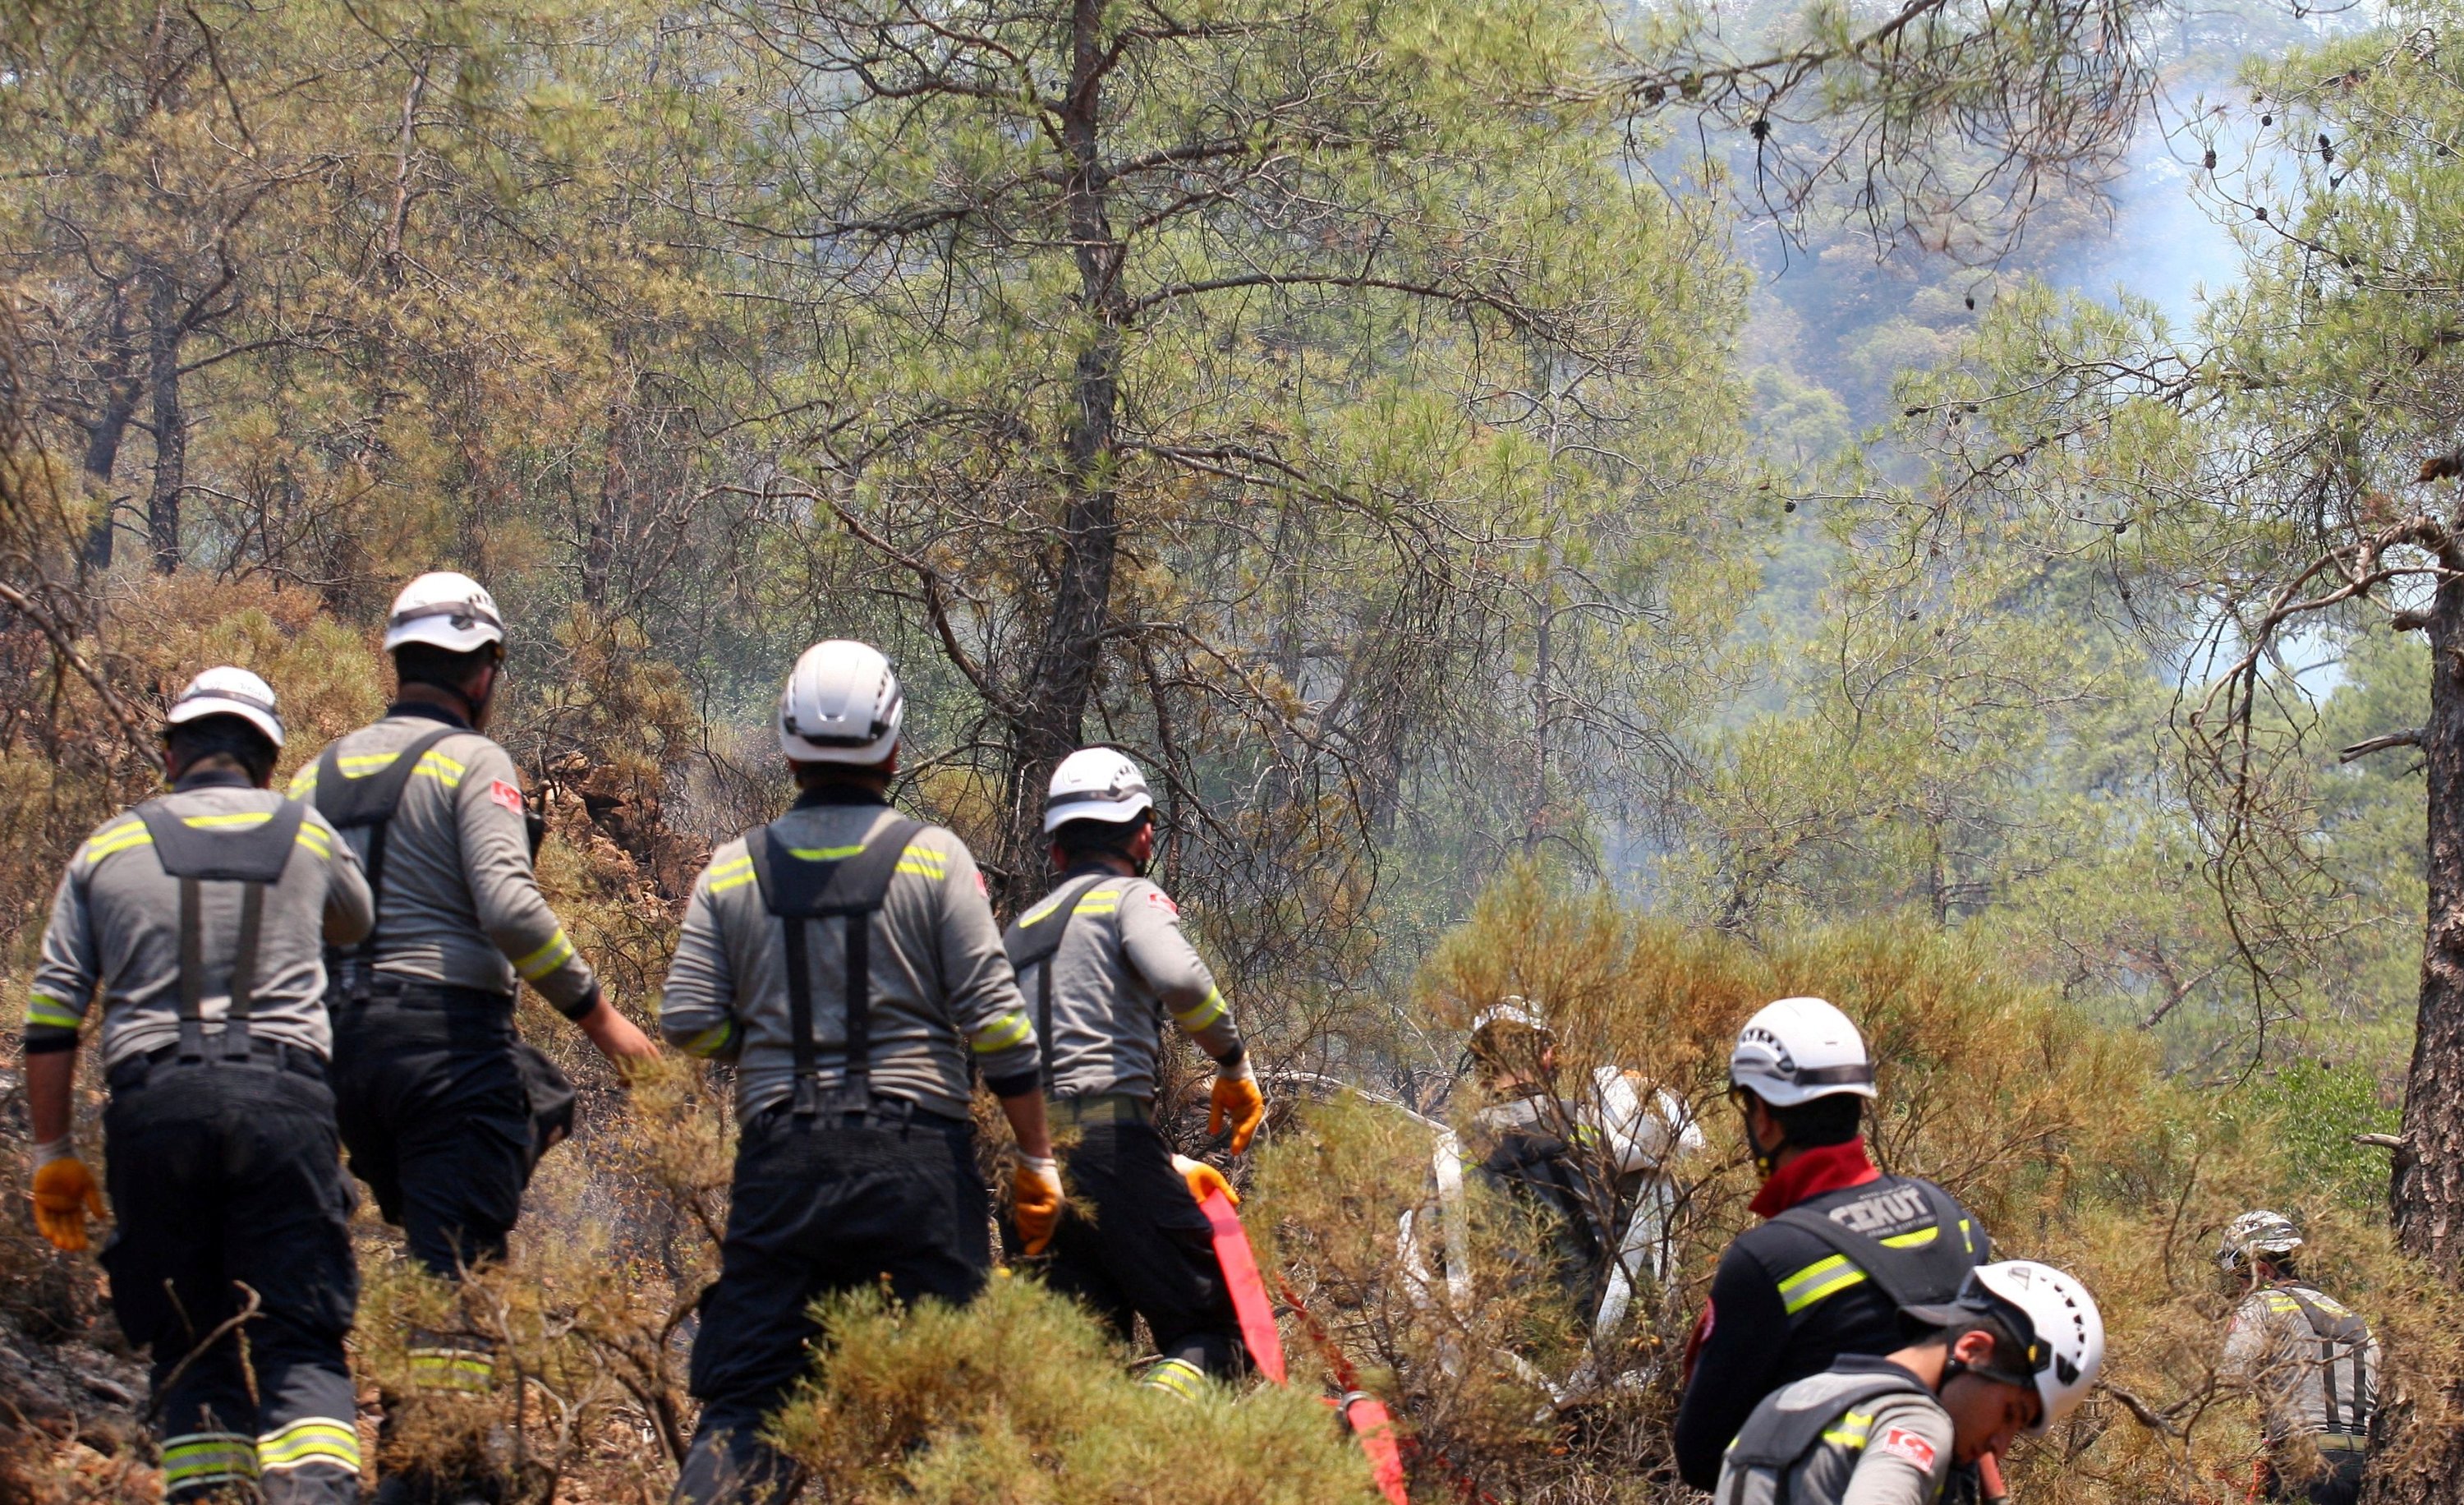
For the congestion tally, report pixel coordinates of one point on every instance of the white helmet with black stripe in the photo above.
(2056, 1323)
(1798, 1050)
(445, 610)
(226, 691)
(841, 705)
(1095, 784)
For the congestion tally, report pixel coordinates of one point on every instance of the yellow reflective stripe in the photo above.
(50, 1013)
(919, 869)
(546, 959)
(1209, 1008)
(722, 885)
(121, 840)
(1098, 901)
(1175, 1377)
(713, 1040)
(303, 783)
(235, 820)
(1818, 1280)
(1040, 912)
(317, 1439)
(1968, 1235)
(925, 856)
(1854, 1430)
(1008, 1030)
(451, 1369)
(433, 763)
(315, 840)
(1916, 1240)
(443, 769)
(720, 870)
(208, 1457)
(822, 854)
(359, 766)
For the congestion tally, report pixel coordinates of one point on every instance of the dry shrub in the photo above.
(1020, 1398)
(2067, 1140)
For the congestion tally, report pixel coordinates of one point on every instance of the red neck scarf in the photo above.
(1826, 1167)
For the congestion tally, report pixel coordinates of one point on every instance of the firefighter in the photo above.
(1104, 962)
(2311, 1358)
(1843, 1247)
(843, 959)
(2015, 1352)
(444, 1109)
(202, 917)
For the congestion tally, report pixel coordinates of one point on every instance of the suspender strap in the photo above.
(243, 977)
(1034, 940)
(370, 801)
(192, 973)
(801, 889)
(800, 1015)
(1911, 1276)
(221, 849)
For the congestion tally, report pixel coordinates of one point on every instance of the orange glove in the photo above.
(1203, 1178)
(65, 1196)
(1035, 1200)
(1237, 1098)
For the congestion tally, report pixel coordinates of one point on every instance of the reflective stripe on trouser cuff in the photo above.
(1177, 1376)
(1819, 1279)
(208, 1460)
(458, 1369)
(312, 1439)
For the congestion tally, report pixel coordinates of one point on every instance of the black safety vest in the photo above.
(1030, 944)
(369, 802)
(802, 890)
(222, 851)
(1911, 1270)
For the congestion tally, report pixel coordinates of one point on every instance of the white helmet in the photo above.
(227, 692)
(1095, 784)
(2257, 1233)
(1798, 1050)
(1512, 1011)
(2049, 1313)
(841, 705)
(446, 610)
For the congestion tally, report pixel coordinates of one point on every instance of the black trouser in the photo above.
(226, 1175)
(435, 1119)
(835, 1202)
(2338, 1481)
(1134, 1244)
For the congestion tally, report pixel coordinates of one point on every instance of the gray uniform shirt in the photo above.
(1895, 1450)
(115, 924)
(460, 904)
(1122, 967)
(941, 990)
(2306, 1387)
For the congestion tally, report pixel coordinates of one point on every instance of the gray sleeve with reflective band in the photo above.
(1155, 947)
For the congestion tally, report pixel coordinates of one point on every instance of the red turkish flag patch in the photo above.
(506, 795)
(1909, 1445)
(1155, 897)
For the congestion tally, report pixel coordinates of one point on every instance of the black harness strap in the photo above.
(253, 856)
(1029, 945)
(370, 801)
(802, 891)
(2341, 1336)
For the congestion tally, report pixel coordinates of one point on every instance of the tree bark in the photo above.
(170, 424)
(1071, 649)
(2426, 1189)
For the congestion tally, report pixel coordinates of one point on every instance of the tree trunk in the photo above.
(170, 424)
(1067, 659)
(104, 435)
(2426, 1192)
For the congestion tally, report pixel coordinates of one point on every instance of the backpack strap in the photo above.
(1910, 1274)
(1034, 938)
(1776, 1437)
(247, 849)
(370, 801)
(2343, 1337)
(802, 887)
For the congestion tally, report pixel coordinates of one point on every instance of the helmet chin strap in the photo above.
(1766, 1162)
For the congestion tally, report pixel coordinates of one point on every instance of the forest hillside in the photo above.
(1636, 510)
